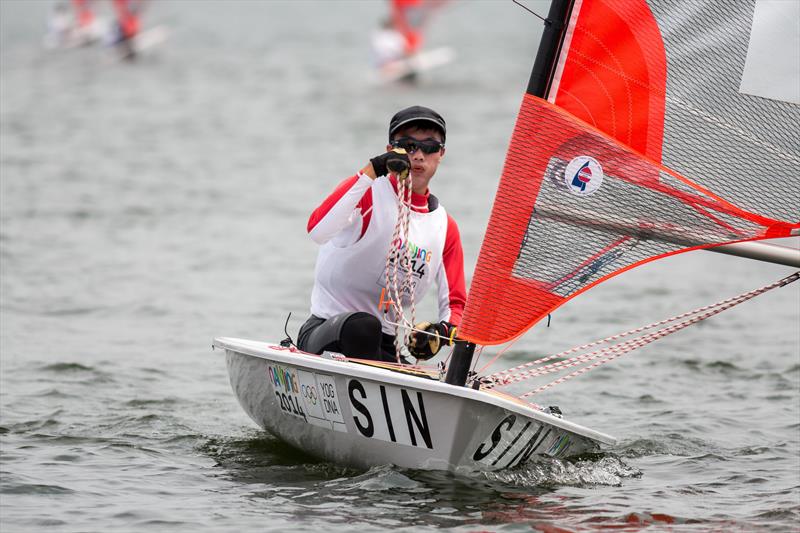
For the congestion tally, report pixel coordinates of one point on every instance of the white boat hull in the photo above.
(420, 62)
(362, 416)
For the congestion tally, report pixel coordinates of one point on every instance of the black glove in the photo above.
(423, 346)
(395, 161)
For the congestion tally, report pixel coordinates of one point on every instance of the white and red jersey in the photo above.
(355, 225)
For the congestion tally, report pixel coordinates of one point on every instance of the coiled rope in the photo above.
(617, 349)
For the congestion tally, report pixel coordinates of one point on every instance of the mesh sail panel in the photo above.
(574, 207)
(743, 147)
(663, 77)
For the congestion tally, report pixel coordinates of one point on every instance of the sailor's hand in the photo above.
(425, 345)
(395, 161)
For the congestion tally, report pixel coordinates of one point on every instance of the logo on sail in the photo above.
(583, 175)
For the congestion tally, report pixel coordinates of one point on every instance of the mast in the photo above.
(460, 361)
(538, 85)
(545, 64)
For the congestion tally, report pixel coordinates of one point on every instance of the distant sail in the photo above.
(410, 17)
(619, 167)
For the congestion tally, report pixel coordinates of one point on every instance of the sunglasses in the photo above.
(428, 146)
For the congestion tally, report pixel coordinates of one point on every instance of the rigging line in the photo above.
(409, 281)
(447, 359)
(613, 352)
(622, 348)
(420, 331)
(643, 340)
(619, 350)
(496, 357)
(586, 357)
(531, 12)
(616, 337)
(475, 358)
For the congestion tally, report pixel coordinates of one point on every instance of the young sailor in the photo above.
(127, 26)
(60, 27)
(355, 226)
(388, 45)
(88, 28)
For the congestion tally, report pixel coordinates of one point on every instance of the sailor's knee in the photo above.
(362, 326)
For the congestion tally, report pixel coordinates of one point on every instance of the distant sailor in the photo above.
(127, 26)
(59, 26)
(85, 18)
(88, 28)
(388, 45)
(355, 226)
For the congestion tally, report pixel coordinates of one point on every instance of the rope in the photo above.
(496, 357)
(395, 290)
(408, 282)
(609, 353)
(475, 358)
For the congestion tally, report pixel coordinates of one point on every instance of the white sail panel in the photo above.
(772, 68)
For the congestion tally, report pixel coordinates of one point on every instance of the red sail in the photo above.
(556, 230)
(613, 73)
(593, 182)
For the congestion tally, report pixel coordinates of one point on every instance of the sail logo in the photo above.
(583, 175)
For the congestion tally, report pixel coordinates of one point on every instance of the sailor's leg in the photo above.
(304, 335)
(360, 336)
(355, 334)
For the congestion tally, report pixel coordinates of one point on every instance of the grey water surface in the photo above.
(148, 207)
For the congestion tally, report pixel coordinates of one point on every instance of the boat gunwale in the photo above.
(268, 351)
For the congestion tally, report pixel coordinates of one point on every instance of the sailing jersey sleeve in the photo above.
(341, 210)
(450, 278)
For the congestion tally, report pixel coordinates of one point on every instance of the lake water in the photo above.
(149, 207)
